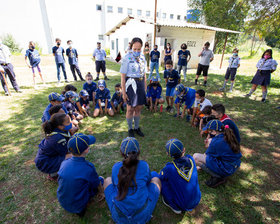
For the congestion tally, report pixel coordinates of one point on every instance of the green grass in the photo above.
(250, 196)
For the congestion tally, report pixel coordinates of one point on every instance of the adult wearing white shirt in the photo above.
(206, 56)
(8, 68)
(99, 55)
(199, 104)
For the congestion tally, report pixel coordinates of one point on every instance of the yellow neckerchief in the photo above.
(182, 174)
(67, 135)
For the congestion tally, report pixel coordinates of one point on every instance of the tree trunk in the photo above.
(252, 46)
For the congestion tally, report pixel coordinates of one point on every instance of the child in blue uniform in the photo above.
(266, 65)
(154, 55)
(184, 56)
(34, 60)
(180, 188)
(103, 100)
(78, 181)
(117, 100)
(84, 102)
(154, 94)
(184, 95)
(90, 87)
(69, 103)
(55, 99)
(234, 63)
(222, 157)
(72, 55)
(53, 148)
(172, 79)
(132, 192)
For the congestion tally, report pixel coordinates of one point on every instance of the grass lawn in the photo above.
(252, 195)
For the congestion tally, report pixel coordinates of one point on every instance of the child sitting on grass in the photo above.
(222, 157)
(205, 117)
(117, 99)
(90, 87)
(69, 104)
(154, 97)
(84, 103)
(180, 188)
(53, 148)
(78, 181)
(103, 105)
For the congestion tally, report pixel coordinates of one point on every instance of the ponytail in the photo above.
(230, 138)
(55, 121)
(127, 175)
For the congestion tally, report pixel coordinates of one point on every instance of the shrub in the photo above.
(10, 42)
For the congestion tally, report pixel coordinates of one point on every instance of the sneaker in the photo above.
(247, 95)
(230, 91)
(175, 115)
(205, 84)
(139, 132)
(171, 110)
(106, 78)
(175, 211)
(195, 82)
(222, 89)
(263, 100)
(66, 80)
(215, 182)
(188, 118)
(19, 91)
(167, 108)
(58, 82)
(130, 133)
(97, 78)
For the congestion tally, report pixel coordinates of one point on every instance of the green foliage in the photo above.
(273, 39)
(10, 42)
(38, 47)
(107, 50)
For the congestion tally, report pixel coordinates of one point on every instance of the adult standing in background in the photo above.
(154, 55)
(99, 55)
(8, 68)
(184, 56)
(146, 52)
(58, 53)
(168, 53)
(206, 56)
(133, 82)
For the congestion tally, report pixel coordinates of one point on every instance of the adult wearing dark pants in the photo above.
(72, 55)
(206, 56)
(58, 53)
(8, 68)
(99, 55)
(133, 82)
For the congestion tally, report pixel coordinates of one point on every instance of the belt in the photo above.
(136, 79)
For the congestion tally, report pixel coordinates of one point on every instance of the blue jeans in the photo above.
(62, 65)
(154, 65)
(184, 68)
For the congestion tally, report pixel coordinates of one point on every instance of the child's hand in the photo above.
(106, 111)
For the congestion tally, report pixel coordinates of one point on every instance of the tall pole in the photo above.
(224, 50)
(155, 21)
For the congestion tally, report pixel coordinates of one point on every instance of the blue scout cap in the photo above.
(128, 145)
(55, 96)
(178, 89)
(70, 93)
(154, 79)
(84, 93)
(79, 142)
(213, 125)
(101, 83)
(174, 147)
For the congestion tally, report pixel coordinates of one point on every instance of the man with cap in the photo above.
(180, 188)
(55, 99)
(99, 55)
(78, 180)
(7, 68)
(184, 95)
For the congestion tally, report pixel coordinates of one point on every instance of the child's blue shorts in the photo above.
(142, 217)
(108, 106)
(170, 91)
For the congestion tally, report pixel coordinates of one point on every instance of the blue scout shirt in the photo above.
(72, 55)
(154, 93)
(233, 62)
(46, 114)
(99, 54)
(154, 56)
(90, 88)
(70, 107)
(183, 55)
(180, 187)
(220, 158)
(172, 77)
(227, 121)
(33, 56)
(52, 151)
(136, 197)
(77, 183)
(58, 54)
(84, 102)
(117, 98)
(188, 98)
(103, 95)
(267, 64)
(133, 68)
(167, 57)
